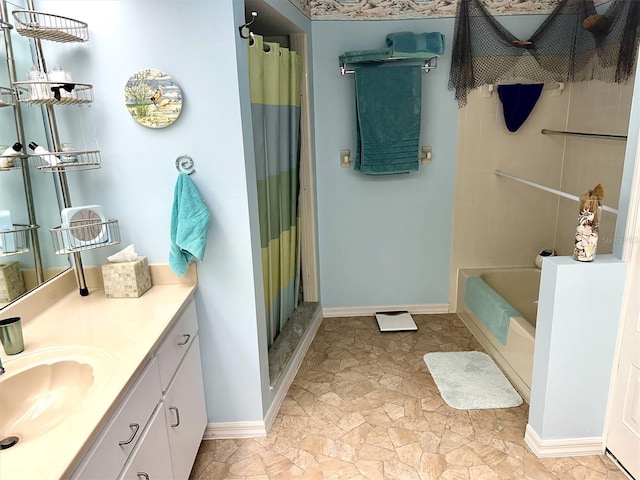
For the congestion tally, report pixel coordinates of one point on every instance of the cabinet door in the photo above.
(151, 459)
(185, 412)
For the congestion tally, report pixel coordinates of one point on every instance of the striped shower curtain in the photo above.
(274, 79)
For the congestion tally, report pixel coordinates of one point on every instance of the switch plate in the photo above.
(345, 158)
(425, 154)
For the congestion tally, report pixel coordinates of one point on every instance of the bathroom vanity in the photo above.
(141, 414)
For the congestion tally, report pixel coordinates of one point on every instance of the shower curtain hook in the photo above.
(246, 25)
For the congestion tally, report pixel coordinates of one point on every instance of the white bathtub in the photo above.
(519, 287)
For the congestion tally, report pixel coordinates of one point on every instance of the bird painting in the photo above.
(157, 95)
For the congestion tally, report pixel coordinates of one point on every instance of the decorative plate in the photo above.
(153, 98)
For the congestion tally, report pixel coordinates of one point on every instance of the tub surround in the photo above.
(125, 330)
(573, 359)
(515, 358)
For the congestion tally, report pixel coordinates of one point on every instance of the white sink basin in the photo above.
(40, 391)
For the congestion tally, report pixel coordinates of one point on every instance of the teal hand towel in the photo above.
(389, 108)
(363, 56)
(408, 42)
(189, 225)
(489, 307)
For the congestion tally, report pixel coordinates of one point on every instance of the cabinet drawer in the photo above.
(109, 453)
(176, 344)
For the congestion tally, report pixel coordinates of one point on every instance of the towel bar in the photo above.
(429, 64)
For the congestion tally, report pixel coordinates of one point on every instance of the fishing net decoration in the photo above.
(573, 44)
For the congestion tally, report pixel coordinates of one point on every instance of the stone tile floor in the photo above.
(364, 407)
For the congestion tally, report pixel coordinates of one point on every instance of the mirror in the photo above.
(27, 257)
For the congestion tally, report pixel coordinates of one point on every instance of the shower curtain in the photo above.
(274, 80)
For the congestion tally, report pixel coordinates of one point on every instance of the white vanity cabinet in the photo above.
(162, 440)
(151, 459)
(185, 413)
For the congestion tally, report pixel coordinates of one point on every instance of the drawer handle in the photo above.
(134, 429)
(177, 412)
(143, 476)
(186, 339)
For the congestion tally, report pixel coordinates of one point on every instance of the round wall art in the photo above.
(153, 98)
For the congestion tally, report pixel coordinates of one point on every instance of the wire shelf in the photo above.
(66, 161)
(7, 97)
(15, 241)
(11, 162)
(30, 23)
(85, 235)
(54, 93)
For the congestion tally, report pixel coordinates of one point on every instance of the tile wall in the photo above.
(499, 222)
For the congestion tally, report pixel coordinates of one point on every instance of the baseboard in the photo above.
(571, 447)
(430, 308)
(226, 430)
(285, 381)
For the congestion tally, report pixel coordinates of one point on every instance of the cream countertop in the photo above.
(126, 330)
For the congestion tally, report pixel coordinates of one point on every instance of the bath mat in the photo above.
(471, 380)
(395, 321)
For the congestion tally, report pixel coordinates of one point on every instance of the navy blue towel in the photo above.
(518, 101)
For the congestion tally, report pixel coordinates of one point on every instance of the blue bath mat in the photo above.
(470, 381)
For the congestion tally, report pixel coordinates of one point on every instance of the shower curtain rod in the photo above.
(550, 190)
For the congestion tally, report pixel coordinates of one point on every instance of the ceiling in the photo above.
(269, 21)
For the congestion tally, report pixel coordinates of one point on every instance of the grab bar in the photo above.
(606, 136)
(550, 190)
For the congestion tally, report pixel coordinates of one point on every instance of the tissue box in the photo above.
(11, 282)
(127, 279)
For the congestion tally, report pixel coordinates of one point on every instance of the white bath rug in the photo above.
(471, 380)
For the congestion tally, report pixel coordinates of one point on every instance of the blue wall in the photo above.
(382, 240)
(385, 241)
(136, 181)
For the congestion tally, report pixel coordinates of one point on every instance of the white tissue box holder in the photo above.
(11, 282)
(126, 279)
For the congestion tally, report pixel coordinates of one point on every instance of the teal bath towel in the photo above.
(489, 307)
(189, 225)
(389, 108)
(408, 43)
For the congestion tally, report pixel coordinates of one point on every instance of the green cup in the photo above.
(11, 335)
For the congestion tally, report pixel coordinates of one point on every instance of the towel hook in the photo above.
(246, 25)
(184, 163)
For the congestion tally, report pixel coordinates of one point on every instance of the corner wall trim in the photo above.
(226, 430)
(570, 447)
(429, 308)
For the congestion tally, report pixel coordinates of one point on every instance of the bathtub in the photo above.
(519, 287)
